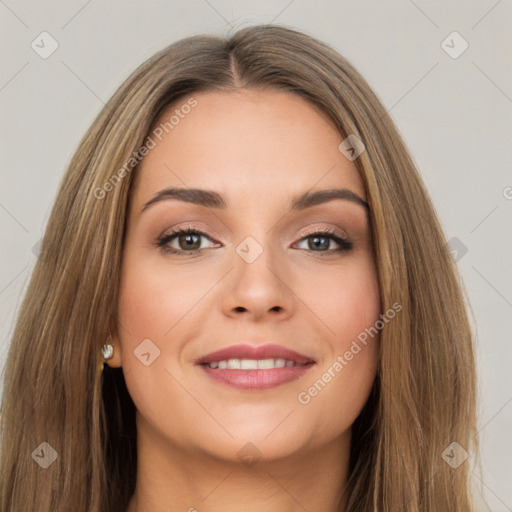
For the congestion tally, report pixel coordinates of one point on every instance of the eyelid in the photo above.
(185, 227)
(324, 230)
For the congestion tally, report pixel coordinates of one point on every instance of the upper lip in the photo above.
(242, 351)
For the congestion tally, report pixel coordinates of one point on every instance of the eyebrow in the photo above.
(212, 199)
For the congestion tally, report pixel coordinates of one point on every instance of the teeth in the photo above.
(252, 364)
(248, 364)
(265, 364)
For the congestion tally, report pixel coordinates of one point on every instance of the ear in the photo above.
(113, 339)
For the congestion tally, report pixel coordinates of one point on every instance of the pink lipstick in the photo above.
(255, 368)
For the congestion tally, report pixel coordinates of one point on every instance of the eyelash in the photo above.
(345, 244)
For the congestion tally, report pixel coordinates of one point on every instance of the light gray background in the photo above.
(455, 115)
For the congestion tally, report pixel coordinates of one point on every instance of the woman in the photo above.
(244, 240)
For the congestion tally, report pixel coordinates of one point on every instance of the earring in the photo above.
(108, 351)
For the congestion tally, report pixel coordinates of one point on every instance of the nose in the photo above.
(259, 289)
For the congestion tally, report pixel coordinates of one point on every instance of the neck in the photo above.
(170, 478)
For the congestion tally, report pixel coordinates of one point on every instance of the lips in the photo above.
(262, 352)
(255, 368)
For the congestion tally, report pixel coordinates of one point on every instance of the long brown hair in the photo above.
(424, 393)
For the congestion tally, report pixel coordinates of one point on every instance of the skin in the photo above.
(258, 149)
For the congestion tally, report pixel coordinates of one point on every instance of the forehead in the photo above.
(264, 143)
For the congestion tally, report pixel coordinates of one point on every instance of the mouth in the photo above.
(255, 368)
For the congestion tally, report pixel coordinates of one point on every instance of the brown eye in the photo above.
(188, 241)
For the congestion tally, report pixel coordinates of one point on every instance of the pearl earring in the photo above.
(108, 351)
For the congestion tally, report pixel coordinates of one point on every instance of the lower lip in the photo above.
(256, 379)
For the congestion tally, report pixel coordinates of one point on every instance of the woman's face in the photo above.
(259, 273)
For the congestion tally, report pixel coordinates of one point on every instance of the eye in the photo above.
(321, 241)
(188, 241)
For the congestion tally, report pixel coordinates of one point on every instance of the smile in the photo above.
(250, 367)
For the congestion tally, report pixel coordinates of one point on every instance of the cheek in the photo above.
(335, 394)
(153, 298)
(161, 305)
(346, 299)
